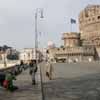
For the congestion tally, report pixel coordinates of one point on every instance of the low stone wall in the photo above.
(8, 64)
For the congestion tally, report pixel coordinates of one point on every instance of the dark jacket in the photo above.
(33, 67)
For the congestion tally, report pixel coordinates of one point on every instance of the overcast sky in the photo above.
(17, 20)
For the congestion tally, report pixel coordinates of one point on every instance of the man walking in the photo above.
(33, 70)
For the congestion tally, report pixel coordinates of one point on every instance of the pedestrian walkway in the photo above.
(26, 90)
(74, 81)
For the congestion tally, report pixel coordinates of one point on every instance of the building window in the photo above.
(47, 51)
(63, 48)
(98, 17)
(89, 20)
(93, 19)
(86, 13)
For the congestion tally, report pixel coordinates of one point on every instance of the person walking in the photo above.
(33, 70)
(21, 65)
(49, 70)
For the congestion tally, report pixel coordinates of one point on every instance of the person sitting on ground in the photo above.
(8, 82)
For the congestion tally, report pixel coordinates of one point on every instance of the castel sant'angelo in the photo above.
(89, 25)
(82, 46)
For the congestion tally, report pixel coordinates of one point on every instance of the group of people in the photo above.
(33, 69)
(7, 80)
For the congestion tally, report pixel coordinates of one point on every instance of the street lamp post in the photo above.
(38, 10)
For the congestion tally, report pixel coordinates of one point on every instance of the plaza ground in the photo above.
(74, 81)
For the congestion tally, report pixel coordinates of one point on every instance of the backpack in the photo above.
(5, 83)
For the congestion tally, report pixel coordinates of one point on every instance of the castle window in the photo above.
(63, 48)
(86, 13)
(89, 19)
(47, 51)
(98, 17)
(93, 19)
(58, 48)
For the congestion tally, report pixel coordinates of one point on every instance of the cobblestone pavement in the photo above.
(26, 90)
(73, 82)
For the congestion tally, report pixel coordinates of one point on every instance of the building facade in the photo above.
(72, 51)
(89, 25)
(71, 39)
(28, 54)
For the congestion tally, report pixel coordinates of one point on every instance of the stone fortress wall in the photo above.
(72, 51)
(71, 39)
(89, 25)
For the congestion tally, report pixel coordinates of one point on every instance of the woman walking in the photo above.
(49, 70)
